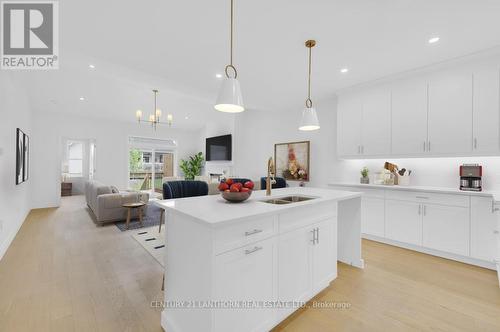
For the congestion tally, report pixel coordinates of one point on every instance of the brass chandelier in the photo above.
(154, 119)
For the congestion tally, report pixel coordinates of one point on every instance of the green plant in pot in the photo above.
(364, 175)
(192, 166)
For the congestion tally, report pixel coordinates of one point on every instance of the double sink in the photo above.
(288, 199)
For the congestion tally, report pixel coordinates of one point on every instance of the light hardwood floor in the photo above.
(62, 273)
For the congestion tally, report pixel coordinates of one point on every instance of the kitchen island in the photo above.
(247, 266)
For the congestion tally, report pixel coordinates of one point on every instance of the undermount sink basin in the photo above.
(288, 199)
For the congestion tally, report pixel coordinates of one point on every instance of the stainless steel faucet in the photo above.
(270, 176)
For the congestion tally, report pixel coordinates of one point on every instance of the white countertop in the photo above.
(214, 210)
(442, 190)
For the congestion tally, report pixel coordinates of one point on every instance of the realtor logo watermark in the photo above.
(30, 35)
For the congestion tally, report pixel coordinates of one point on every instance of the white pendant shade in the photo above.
(309, 120)
(230, 99)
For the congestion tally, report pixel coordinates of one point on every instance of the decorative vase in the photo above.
(364, 180)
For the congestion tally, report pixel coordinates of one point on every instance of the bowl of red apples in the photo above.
(235, 192)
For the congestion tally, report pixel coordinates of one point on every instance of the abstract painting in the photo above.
(292, 160)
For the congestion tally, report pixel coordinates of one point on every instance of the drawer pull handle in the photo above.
(422, 197)
(250, 251)
(255, 231)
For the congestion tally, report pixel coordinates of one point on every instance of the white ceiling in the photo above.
(179, 46)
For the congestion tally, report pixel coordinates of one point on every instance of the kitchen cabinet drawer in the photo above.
(446, 228)
(244, 233)
(431, 198)
(303, 216)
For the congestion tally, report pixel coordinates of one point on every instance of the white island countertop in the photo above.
(441, 190)
(215, 211)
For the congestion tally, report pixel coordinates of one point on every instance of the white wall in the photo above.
(112, 149)
(15, 202)
(256, 132)
(439, 172)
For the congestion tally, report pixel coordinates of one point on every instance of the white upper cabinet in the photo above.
(454, 112)
(450, 113)
(376, 122)
(486, 110)
(349, 117)
(409, 117)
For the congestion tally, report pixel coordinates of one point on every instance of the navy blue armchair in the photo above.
(180, 189)
(280, 183)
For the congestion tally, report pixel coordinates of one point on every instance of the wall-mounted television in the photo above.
(219, 148)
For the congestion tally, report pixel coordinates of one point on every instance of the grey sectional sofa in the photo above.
(105, 202)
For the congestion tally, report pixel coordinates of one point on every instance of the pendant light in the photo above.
(230, 99)
(309, 117)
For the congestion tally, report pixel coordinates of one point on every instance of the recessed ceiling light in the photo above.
(91, 66)
(344, 70)
(218, 75)
(433, 40)
(82, 98)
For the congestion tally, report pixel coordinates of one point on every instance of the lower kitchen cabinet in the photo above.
(403, 221)
(446, 228)
(482, 229)
(307, 262)
(245, 274)
(324, 265)
(373, 216)
(295, 264)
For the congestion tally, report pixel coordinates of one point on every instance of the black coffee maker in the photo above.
(470, 177)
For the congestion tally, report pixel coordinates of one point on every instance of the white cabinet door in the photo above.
(450, 113)
(403, 221)
(409, 117)
(373, 216)
(325, 254)
(482, 227)
(349, 118)
(446, 228)
(295, 264)
(376, 125)
(486, 110)
(246, 274)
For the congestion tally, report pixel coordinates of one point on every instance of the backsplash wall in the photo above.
(439, 172)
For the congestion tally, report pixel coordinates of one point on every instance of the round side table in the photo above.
(130, 207)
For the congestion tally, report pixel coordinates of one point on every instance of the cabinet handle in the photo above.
(493, 208)
(429, 146)
(424, 146)
(313, 231)
(250, 251)
(255, 231)
(362, 149)
(475, 143)
(425, 210)
(359, 149)
(317, 235)
(419, 209)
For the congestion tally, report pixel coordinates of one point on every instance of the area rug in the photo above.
(150, 218)
(152, 241)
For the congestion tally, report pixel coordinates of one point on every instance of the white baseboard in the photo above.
(6, 244)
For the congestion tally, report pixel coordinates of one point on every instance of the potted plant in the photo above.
(364, 176)
(192, 167)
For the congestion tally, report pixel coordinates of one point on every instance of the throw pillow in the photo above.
(114, 190)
